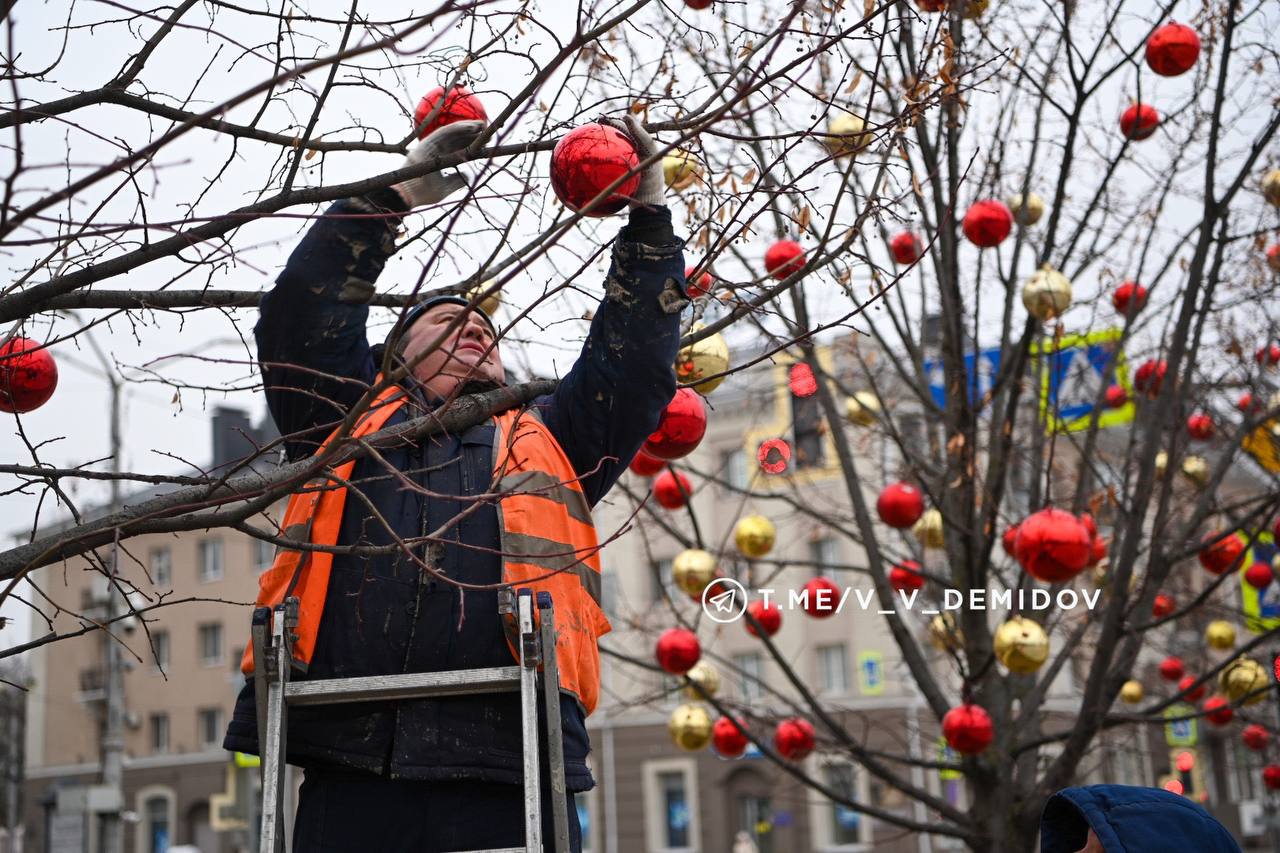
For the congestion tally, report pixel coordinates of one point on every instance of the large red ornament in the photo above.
(1220, 556)
(1255, 737)
(783, 258)
(1173, 49)
(698, 285)
(1218, 711)
(906, 576)
(646, 465)
(1268, 355)
(1129, 293)
(589, 158)
(906, 248)
(727, 739)
(1259, 575)
(1271, 777)
(1052, 545)
(28, 375)
(1139, 121)
(1149, 376)
(987, 223)
(678, 650)
(1171, 668)
(460, 104)
(1163, 605)
(768, 615)
(793, 739)
(1200, 426)
(968, 728)
(1188, 688)
(900, 505)
(671, 489)
(1116, 396)
(821, 598)
(680, 428)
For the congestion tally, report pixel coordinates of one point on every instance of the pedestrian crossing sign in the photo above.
(1074, 372)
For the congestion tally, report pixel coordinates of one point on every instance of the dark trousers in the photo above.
(350, 813)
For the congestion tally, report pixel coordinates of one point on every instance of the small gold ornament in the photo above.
(706, 676)
(1196, 469)
(692, 570)
(1021, 645)
(754, 535)
(1220, 635)
(1131, 691)
(863, 408)
(690, 727)
(944, 633)
(1162, 463)
(1244, 677)
(680, 170)
(1271, 187)
(490, 303)
(1046, 294)
(707, 357)
(930, 530)
(847, 135)
(1027, 213)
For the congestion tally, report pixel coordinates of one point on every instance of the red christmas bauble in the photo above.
(1268, 355)
(821, 598)
(1221, 556)
(1188, 688)
(793, 739)
(968, 728)
(699, 285)
(1171, 668)
(589, 158)
(1052, 545)
(1173, 49)
(1008, 539)
(1116, 396)
(773, 454)
(460, 104)
(680, 428)
(698, 4)
(1271, 777)
(1245, 403)
(906, 576)
(783, 258)
(671, 489)
(801, 380)
(900, 505)
(1139, 121)
(1150, 376)
(678, 650)
(1255, 737)
(1129, 293)
(986, 223)
(726, 738)
(646, 465)
(1259, 575)
(1273, 256)
(906, 248)
(768, 615)
(1163, 605)
(1200, 426)
(1218, 711)
(28, 375)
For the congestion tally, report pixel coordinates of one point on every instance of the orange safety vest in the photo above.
(548, 543)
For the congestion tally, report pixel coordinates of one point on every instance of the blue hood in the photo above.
(1130, 819)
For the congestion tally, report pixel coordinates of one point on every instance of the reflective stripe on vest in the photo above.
(548, 542)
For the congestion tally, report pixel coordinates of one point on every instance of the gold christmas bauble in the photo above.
(944, 633)
(929, 529)
(490, 303)
(707, 357)
(1046, 294)
(680, 170)
(692, 570)
(862, 408)
(1131, 691)
(1196, 469)
(848, 135)
(1220, 635)
(704, 675)
(1271, 187)
(1021, 645)
(690, 727)
(1028, 212)
(1243, 677)
(754, 535)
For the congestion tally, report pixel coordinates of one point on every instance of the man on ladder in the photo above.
(444, 774)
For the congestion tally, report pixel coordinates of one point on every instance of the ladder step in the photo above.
(414, 685)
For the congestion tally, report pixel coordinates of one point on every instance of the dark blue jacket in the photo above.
(1130, 819)
(382, 615)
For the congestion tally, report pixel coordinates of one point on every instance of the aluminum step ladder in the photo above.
(273, 636)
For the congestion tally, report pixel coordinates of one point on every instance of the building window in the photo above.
(264, 554)
(755, 818)
(660, 571)
(160, 648)
(156, 818)
(809, 429)
(671, 805)
(159, 725)
(160, 567)
(733, 469)
(824, 553)
(210, 556)
(210, 643)
(748, 666)
(833, 668)
(840, 826)
(209, 726)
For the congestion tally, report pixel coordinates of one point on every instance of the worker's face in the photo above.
(1092, 845)
(469, 352)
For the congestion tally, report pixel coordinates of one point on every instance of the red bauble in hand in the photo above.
(677, 650)
(460, 104)
(906, 576)
(906, 248)
(646, 465)
(987, 223)
(821, 598)
(28, 375)
(1139, 121)
(680, 428)
(900, 505)
(968, 729)
(784, 258)
(671, 489)
(1052, 545)
(1173, 49)
(1129, 293)
(1171, 668)
(726, 738)
(768, 615)
(794, 739)
(589, 158)
(1220, 556)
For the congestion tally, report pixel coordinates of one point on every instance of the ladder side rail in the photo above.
(529, 722)
(555, 734)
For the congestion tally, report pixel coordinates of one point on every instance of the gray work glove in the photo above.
(437, 186)
(652, 189)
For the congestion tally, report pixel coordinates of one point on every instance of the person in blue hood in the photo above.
(1129, 819)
